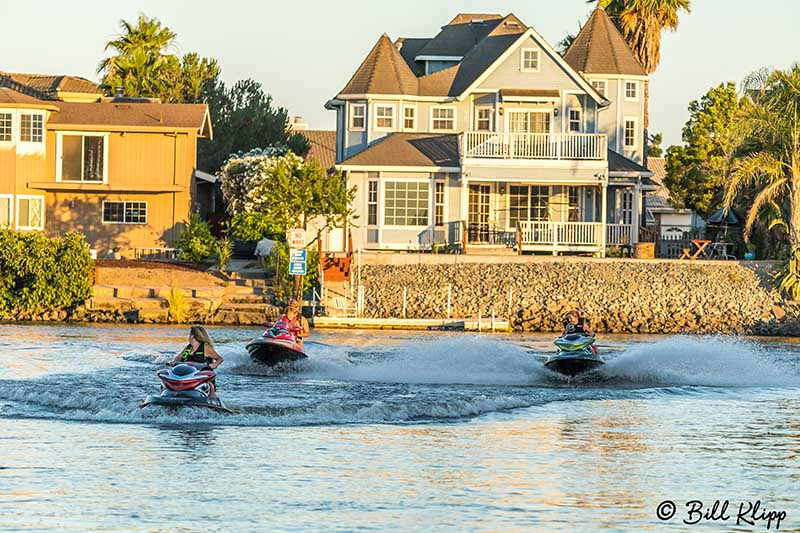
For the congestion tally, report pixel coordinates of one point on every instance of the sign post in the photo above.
(296, 239)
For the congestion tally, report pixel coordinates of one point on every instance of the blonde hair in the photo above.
(200, 334)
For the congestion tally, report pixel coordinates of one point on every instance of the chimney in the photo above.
(297, 124)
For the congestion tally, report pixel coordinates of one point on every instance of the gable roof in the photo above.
(599, 48)
(659, 198)
(383, 71)
(123, 116)
(410, 150)
(323, 146)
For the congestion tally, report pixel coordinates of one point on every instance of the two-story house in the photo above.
(118, 170)
(484, 132)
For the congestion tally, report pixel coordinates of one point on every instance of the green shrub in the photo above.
(277, 264)
(195, 240)
(39, 274)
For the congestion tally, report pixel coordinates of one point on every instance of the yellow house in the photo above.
(119, 170)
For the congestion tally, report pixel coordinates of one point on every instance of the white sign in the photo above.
(296, 238)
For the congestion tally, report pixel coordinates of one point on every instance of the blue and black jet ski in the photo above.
(574, 356)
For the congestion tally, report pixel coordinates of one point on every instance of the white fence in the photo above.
(562, 233)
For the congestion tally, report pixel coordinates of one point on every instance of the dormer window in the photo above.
(529, 60)
(409, 117)
(632, 91)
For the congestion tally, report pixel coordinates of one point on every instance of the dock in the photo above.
(500, 325)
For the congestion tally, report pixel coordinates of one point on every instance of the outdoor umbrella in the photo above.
(724, 217)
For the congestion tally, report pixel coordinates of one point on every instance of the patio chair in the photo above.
(340, 305)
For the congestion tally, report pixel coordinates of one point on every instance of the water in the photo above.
(404, 431)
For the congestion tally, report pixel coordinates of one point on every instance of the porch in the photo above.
(534, 146)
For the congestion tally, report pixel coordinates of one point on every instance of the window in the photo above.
(5, 127)
(483, 121)
(372, 203)
(30, 212)
(529, 60)
(384, 117)
(406, 203)
(31, 128)
(574, 213)
(528, 203)
(630, 133)
(358, 113)
(575, 120)
(125, 212)
(444, 118)
(6, 211)
(631, 90)
(409, 118)
(600, 87)
(82, 157)
(438, 203)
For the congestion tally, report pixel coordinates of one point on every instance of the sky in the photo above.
(304, 51)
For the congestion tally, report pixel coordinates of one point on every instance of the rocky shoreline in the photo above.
(617, 296)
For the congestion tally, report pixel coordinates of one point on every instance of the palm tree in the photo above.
(139, 52)
(772, 120)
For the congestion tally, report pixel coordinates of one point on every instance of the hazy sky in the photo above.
(304, 51)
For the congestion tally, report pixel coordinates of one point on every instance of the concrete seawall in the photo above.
(618, 296)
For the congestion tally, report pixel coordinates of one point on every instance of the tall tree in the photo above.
(698, 171)
(244, 118)
(654, 145)
(141, 65)
(772, 118)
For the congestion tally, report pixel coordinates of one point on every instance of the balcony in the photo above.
(534, 146)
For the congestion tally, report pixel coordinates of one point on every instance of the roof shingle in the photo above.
(323, 146)
(410, 150)
(383, 71)
(137, 115)
(599, 48)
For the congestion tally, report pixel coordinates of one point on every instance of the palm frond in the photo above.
(766, 196)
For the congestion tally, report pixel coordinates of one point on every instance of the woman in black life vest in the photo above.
(199, 350)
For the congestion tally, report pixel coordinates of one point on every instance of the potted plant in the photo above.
(750, 254)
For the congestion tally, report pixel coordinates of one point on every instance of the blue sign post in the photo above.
(297, 262)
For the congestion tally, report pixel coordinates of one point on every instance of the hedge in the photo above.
(39, 274)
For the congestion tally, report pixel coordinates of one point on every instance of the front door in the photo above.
(478, 229)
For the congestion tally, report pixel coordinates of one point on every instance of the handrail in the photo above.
(557, 146)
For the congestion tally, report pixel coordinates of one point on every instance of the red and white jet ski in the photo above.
(278, 344)
(186, 384)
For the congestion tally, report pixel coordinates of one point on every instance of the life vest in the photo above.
(575, 328)
(196, 356)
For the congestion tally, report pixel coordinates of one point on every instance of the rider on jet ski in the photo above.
(575, 323)
(292, 317)
(200, 350)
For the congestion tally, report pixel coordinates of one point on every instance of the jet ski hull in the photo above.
(572, 364)
(174, 399)
(274, 351)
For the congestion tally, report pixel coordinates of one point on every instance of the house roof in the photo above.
(125, 116)
(323, 146)
(410, 150)
(48, 86)
(386, 70)
(460, 35)
(599, 48)
(383, 71)
(10, 96)
(660, 197)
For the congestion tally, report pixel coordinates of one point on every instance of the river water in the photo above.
(403, 431)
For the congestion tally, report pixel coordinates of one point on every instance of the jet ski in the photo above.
(278, 344)
(574, 356)
(186, 385)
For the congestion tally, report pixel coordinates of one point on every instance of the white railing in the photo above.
(570, 146)
(562, 233)
(169, 254)
(619, 234)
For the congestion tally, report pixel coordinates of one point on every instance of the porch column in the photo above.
(464, 212)
(604, 226)
(637, 201)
